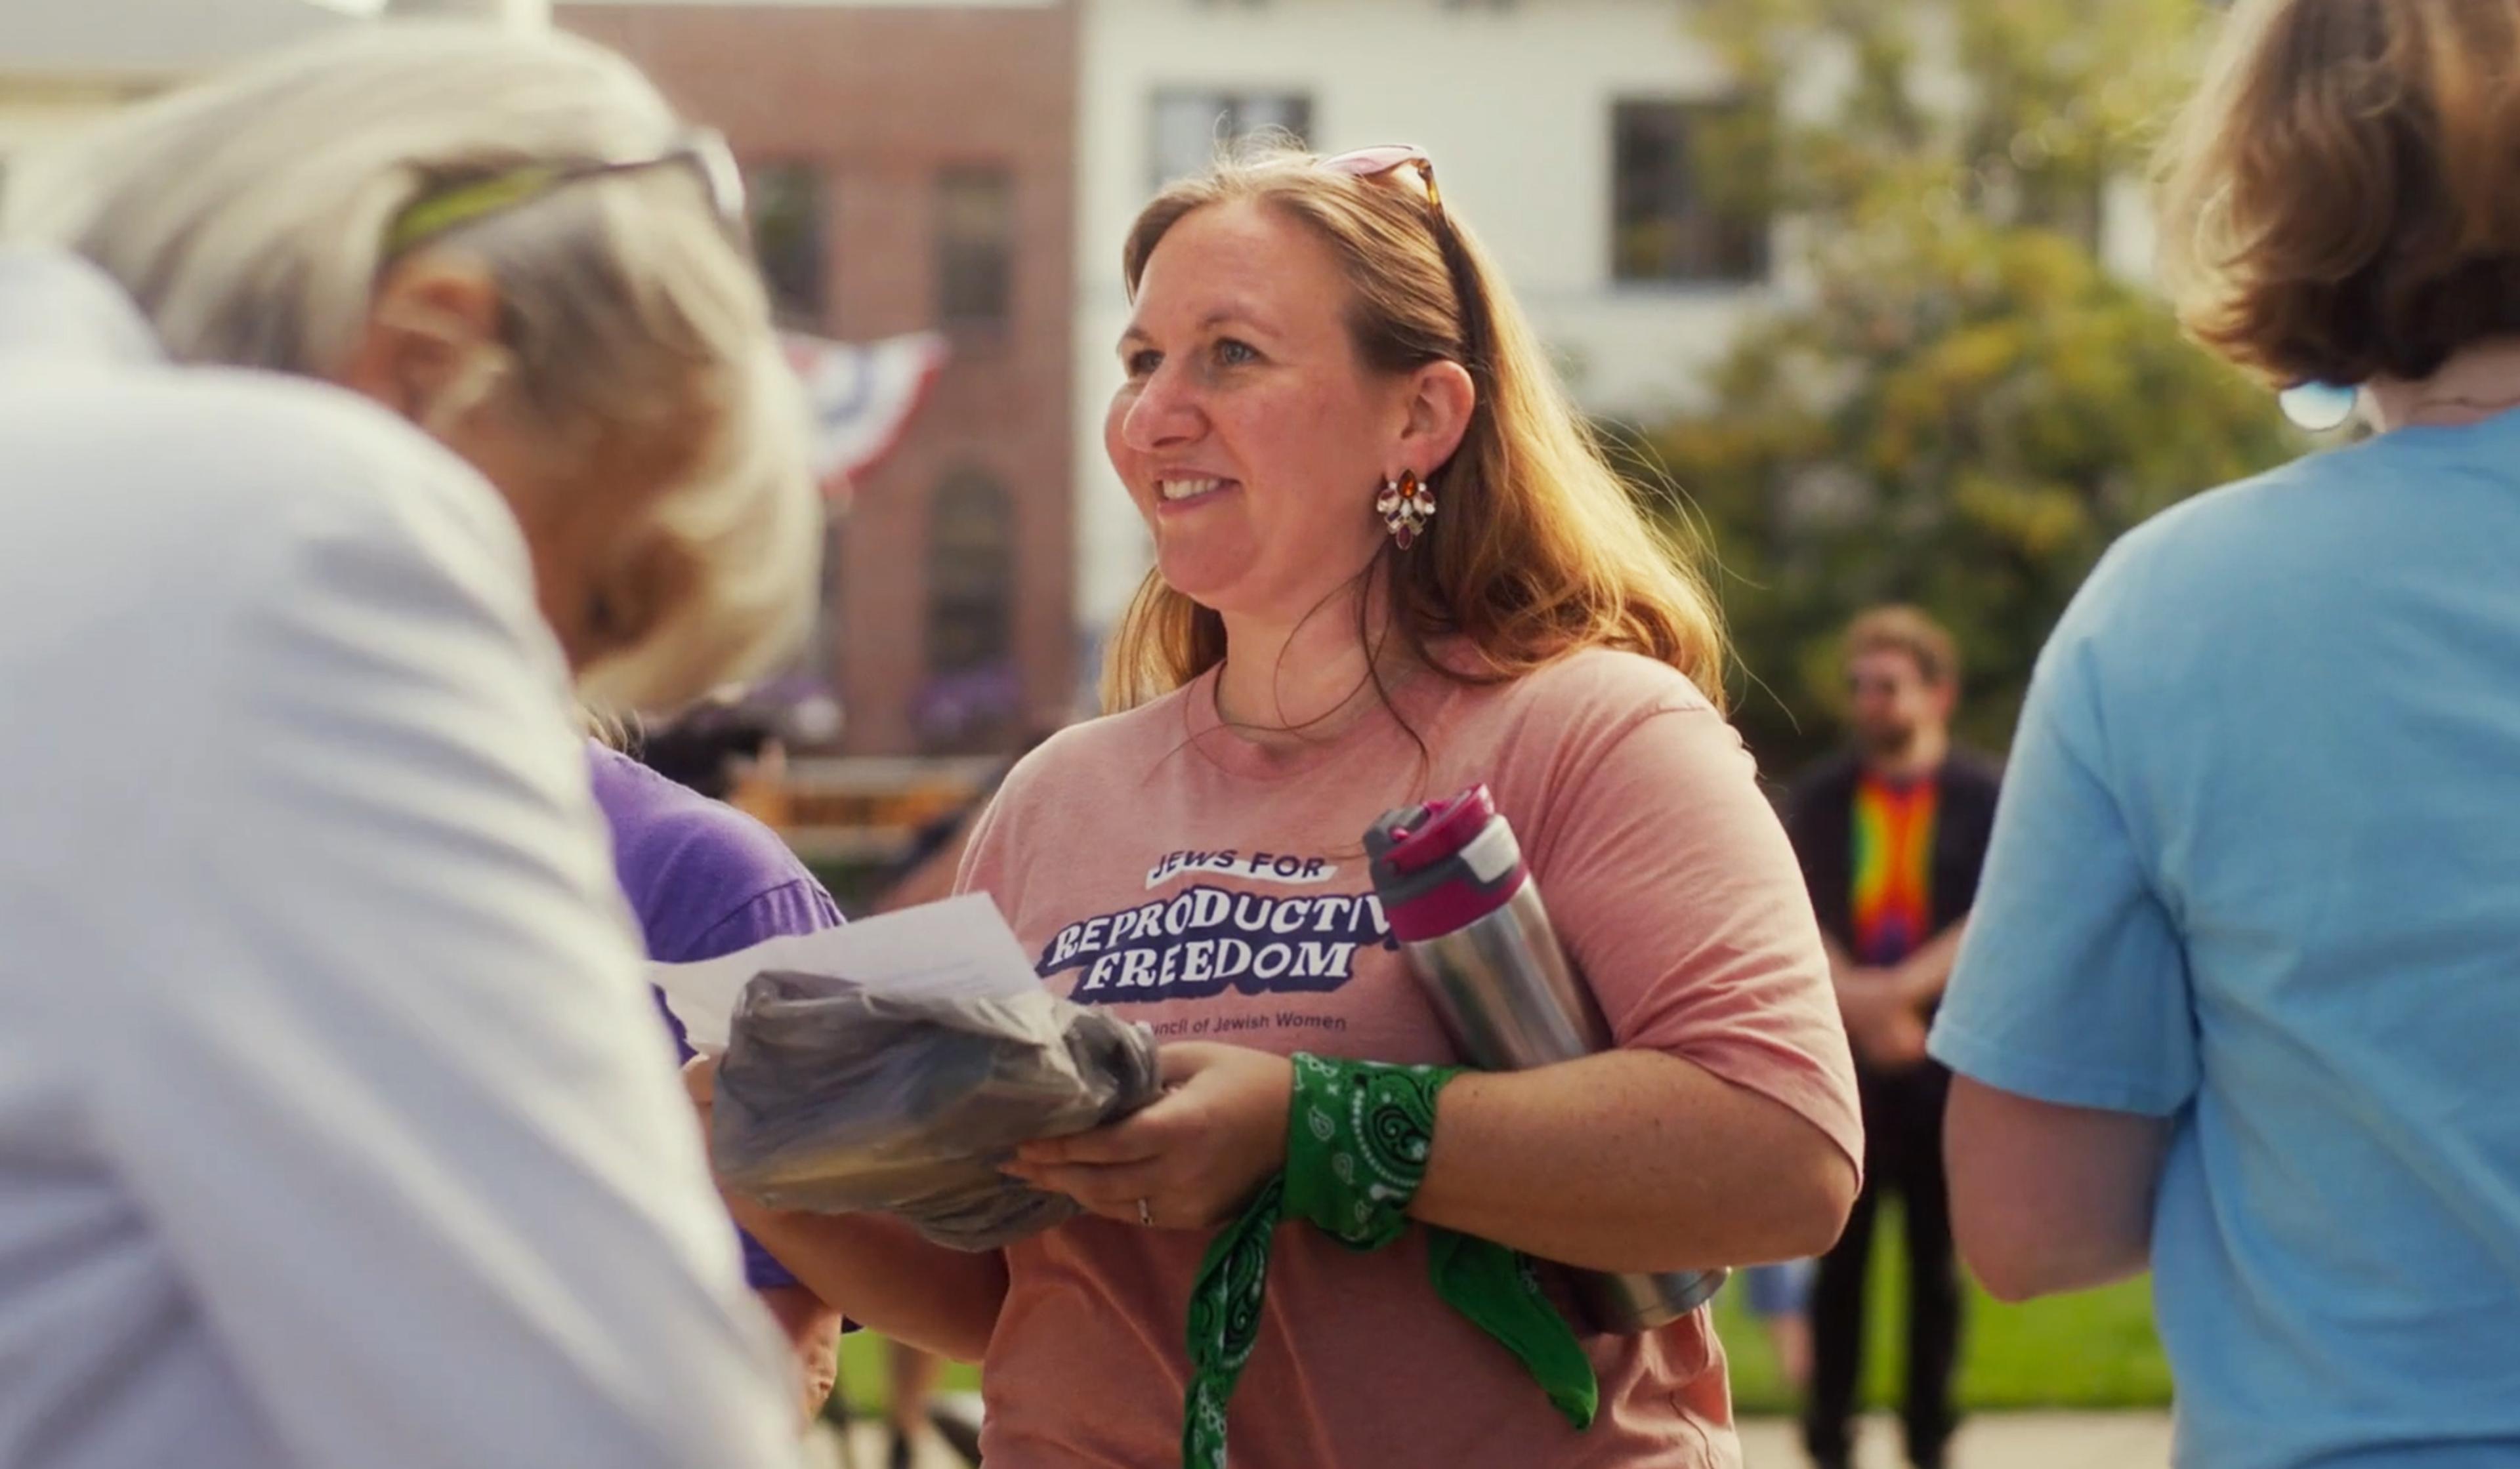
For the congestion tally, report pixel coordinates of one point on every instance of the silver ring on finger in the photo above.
(1145, 1213)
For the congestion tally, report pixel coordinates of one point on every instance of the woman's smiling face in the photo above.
(1249, 433)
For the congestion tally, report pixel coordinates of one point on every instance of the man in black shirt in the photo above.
(1891, 836)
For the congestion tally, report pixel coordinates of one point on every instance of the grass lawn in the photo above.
(2092, 1351)
(865, 1375)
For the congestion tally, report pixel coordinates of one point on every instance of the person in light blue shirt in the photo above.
(2242, 987)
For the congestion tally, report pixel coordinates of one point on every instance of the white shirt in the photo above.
(337, 1127)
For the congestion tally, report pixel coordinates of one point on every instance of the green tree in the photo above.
(1948, 401)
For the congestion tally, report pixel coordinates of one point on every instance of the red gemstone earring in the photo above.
(1405, 506)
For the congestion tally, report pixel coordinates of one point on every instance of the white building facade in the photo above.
(1558, 131)
(64, 63)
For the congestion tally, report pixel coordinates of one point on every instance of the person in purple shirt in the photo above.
(704, 880)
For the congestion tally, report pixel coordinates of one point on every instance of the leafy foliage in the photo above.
(1947, 399)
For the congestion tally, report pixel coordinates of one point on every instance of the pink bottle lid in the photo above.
(1443, 866)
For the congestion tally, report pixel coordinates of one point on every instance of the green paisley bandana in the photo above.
(1357, 1140)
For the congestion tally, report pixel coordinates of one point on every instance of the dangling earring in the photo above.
(1405, 506)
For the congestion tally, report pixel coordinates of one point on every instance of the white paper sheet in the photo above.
(960, 947)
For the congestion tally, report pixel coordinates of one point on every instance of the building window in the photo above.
(1190, 126)
(817, 712)
(827, 644)
(788, 234)
(973, 692)
(970, 573)
(975, 227)
(1685, 200)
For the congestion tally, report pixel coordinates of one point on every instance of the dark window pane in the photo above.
(972, 693)
(1190, 127)
(788, 234)
(826, 657)
(974, 247)
(1684, 200)
(970, 574)
(1286, 111)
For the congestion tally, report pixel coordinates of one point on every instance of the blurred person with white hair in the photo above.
(335, 1124)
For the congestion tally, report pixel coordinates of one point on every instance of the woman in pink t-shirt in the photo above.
(1319, 355)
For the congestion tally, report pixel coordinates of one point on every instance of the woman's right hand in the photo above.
(1193, 1158)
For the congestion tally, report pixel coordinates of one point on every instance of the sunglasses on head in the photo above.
(1382, 161)
(1384, 158)
(700, 149)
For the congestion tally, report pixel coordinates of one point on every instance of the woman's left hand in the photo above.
(1192, 1158)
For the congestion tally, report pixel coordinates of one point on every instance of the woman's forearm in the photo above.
(2048, 1198)
(883, 1275)
(1632, 1159)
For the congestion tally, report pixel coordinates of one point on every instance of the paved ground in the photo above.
(2007, 1441)
(871, 1444)
(2002, 1441)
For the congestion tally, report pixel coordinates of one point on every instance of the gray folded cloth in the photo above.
(835, 1098)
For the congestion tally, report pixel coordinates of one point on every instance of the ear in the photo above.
(427, 325)
(1441, 397)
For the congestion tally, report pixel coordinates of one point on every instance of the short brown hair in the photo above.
(1906, 630)
(1543, 548)
(2341, 198)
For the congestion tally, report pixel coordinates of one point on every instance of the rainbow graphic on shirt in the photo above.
(1892, 857)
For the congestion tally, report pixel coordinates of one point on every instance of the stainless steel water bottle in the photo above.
(1458, 896)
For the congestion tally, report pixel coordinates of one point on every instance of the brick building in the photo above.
(913, 168)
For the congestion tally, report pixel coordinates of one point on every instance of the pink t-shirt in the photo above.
(1164, 866)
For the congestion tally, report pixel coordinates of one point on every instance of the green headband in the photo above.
(438, 213)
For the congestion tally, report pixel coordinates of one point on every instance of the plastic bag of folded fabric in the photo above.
(832, 1097)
